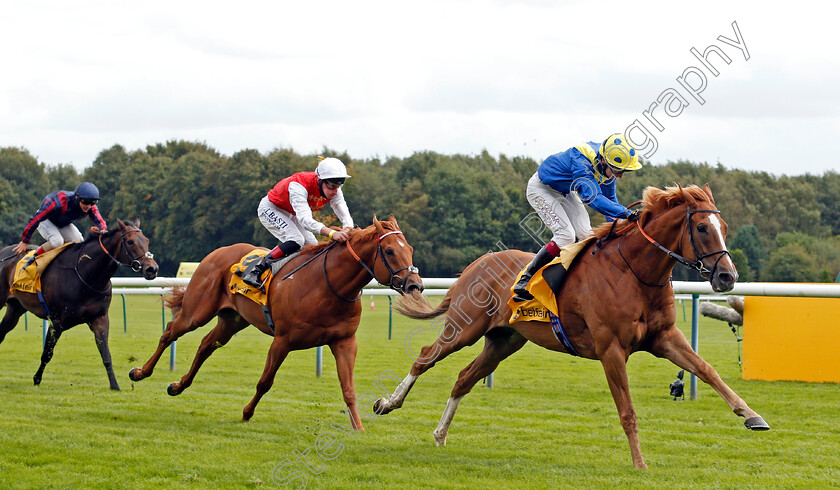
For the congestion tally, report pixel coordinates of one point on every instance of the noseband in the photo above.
(696, 264)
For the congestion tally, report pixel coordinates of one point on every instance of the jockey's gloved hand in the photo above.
(96, 230)
(634, 215)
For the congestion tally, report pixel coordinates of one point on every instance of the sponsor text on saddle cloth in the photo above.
(543, 286)
(238, 286)
(28, 270)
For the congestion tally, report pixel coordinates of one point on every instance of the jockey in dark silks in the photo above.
(54, 219)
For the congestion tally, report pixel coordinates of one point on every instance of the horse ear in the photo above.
(122, 225)
(708, 191)
(393, 220)
(378, 225)
(137, 222)
(687, 197)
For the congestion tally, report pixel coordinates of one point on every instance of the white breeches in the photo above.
(56, 237)
(283, 225)
(565, 216)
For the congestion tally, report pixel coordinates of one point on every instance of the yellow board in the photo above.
(793, 339)
(186, 269)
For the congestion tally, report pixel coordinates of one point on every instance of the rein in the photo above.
(696, 264)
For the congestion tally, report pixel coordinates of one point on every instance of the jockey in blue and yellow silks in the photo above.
(564, 182)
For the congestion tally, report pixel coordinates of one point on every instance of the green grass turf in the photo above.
(548, 422)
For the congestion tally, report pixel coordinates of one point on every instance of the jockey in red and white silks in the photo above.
(286, 212)
(564, 182)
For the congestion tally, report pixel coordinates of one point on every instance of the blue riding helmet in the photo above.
(87, 190)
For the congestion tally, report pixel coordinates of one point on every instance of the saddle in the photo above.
(239, 269)
(544, 286)
(29, 269)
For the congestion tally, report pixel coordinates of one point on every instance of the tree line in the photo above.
(190, 200)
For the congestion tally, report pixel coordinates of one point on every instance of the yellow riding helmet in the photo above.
(619, 153)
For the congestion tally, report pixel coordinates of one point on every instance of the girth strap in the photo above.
(560, 333)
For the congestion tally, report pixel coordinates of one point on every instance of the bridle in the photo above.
(395, 282)
(696, 264)
(134, 262)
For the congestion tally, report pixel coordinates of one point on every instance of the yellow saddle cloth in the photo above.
(28, 272)
(544, 300)
(238, 286)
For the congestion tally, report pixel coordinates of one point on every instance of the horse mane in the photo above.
(92, 237)
(656, 201)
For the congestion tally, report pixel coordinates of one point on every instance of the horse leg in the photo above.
(276, 355)
(100, 327)
(344, 352)
(229, 323)
(14, 310)
(671, 344)
(185, 322)
(614, 361)
(52, 338)
(452, 339)
(498, 345)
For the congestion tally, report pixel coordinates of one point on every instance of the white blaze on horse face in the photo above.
(401, 244)
(716, 225)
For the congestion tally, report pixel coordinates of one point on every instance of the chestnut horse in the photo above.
(616, 300)
(76, 288)
(317, 305)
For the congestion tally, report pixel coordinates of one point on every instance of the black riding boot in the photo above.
(253, 275)
(519, 290)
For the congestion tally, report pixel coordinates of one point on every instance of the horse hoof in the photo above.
(246, 416)
(172, 391)
(440, 439)
(115, 388)
(379, 407)
(134, 374)
(756, 423)
(36, 380)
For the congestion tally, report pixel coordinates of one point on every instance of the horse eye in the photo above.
(130, 242)
(701, 228)
(389, 252)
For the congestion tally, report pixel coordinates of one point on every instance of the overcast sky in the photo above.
(529, 77)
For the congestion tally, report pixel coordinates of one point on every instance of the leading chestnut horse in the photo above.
(317, 305)
(616, 300)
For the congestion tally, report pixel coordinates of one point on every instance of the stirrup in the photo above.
(520, 296)
(29, 261)
(253, 278)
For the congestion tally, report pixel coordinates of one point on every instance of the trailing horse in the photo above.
(616, 300)
(316, 305)
(76, 288)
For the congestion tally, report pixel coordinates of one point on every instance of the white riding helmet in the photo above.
(331, 168)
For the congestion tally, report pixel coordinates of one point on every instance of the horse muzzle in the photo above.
(724, 280)
(150, 269)
(407, 284)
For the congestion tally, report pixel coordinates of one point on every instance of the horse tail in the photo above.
(417, 306)
(175, 300)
